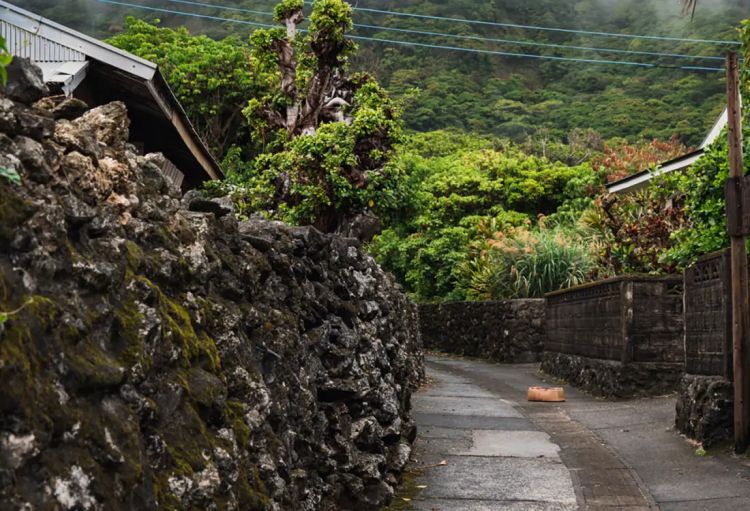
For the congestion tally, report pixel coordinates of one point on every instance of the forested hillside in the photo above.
(503, 96)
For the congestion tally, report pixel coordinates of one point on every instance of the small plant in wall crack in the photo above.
(6, 315)
(11, 175)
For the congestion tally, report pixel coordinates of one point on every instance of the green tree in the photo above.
(5, 60)
(329, 137)
(457, 186)
(703, 188)
(212, 79)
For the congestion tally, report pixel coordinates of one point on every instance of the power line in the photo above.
(425, 45)
(535, 56)
(474, 38)
(546, 45)
(548, 29)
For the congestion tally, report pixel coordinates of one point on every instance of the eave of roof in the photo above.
(174, 111)
(643, 176)
(109, 55)
(639, 179)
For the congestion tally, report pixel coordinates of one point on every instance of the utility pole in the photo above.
(738, 223)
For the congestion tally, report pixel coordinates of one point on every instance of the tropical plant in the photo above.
(636, 229)
(689, 6)
(618, 160)
(703, 188)
(455, 185)
(527, 263)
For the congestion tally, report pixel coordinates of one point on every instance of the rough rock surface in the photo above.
(704, 408)
(503, 331)
(155, 357)
(611, 379)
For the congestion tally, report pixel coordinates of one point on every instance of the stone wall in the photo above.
(610, 378)
(704, 409)
(157, 353)
(504, 331)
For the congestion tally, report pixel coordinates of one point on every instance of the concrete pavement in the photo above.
(482, 446)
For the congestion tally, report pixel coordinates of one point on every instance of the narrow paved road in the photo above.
(482, 446)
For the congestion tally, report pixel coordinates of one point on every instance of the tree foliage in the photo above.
(5, 60)
(212, 79)
(457, 186)
(328, 137)
(506, 96)
(527, 263)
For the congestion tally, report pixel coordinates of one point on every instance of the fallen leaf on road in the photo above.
(421, 486)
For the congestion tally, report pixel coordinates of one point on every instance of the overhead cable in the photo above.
(473, 38)
(425, 45)
(548, 29)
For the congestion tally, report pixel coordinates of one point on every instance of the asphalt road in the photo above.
(482, 446)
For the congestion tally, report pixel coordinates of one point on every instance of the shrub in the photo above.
(635, 229)
(524, 263)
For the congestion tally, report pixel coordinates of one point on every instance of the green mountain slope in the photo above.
(507, 96)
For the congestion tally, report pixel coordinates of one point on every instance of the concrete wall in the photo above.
(704, 409)
(504, 331)
(619, 337)
(626, 319)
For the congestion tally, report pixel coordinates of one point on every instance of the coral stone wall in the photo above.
(704, 409)
(157, 353)
(504, 331)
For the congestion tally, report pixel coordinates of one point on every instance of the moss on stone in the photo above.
(13, 212)
(134, 255)
(27, 386)
(91, 367)
(128, 321)
(234, 412)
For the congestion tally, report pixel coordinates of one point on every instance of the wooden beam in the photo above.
(740, 292)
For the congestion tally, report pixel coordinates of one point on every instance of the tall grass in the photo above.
(528, 264)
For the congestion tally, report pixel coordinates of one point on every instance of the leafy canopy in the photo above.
(457, 185)
(212, 79)
(328, 137)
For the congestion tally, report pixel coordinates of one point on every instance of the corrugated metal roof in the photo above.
(28, 44)
(43, 40)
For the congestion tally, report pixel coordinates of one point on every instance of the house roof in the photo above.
(641, 179)
(67, 57)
